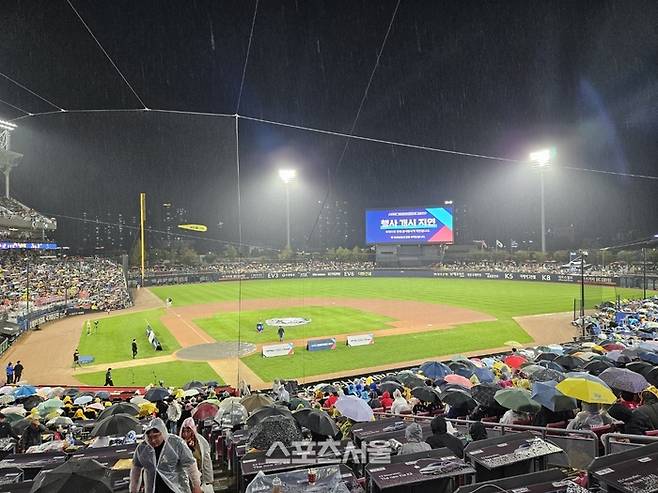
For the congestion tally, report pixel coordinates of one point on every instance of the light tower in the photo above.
(8, 159)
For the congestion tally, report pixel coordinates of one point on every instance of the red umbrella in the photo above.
(205, 410)
(515, 361)
(458, 380)
(613, 346)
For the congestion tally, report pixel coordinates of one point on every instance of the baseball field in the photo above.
(411, 319)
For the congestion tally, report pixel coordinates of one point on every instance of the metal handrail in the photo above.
(637, 439)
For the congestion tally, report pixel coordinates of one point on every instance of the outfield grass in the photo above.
(176, 374)
(390, 349)
(502, 299)
(325, 320)
(112, 341)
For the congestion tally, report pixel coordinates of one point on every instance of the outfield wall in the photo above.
(188, 278)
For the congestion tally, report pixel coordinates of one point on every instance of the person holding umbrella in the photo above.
(167, 461)
(201, 451)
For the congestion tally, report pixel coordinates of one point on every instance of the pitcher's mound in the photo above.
(217, 350)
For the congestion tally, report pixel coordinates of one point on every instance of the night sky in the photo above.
(493, 78)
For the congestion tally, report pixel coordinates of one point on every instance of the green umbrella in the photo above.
(13, 418)
(517, 399)
(50, 405)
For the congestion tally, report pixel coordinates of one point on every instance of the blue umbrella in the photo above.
(485, 375)
(488, 361)
(25, 391)
(464, 371)
(649, 357)
(551, 365)
(548, 396)
(435, 370)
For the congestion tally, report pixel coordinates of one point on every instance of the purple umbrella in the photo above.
(623, 379)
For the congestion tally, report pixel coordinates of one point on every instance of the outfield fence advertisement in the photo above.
(417, 225)
(360, 340)
(321, 344)
(273, 350)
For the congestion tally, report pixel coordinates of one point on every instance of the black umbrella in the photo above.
(85, 475)
(295, 402)
(328, 389)
(317, 421)
(117, 424)
(156, 394)
(596, 367)
(85, 394)
(552, 365)
(652, 377)
(72, 392)
(389, 378)
(194, 384)
(265, 412)
(484, 393)
(641, 367)
(546, 375)
(569, 362)
(119, 408)
(31, 402)
(546, 357)
(274, 429)
(390, 387)
(103, 394)
(410, 380)
(426, 394)
(20, 425)
(458, 398)
(212, 383)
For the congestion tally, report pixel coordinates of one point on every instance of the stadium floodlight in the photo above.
(542, 159)
(5, 125)
(287, 175)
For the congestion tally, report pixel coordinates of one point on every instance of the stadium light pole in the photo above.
(542, 159)
(287, 175)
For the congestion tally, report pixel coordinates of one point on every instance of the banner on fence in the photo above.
(360, 340)
(273, 350)
(321, 344)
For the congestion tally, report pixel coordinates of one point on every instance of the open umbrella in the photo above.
(390, 387)
(546, 357)
(458, 399)
(59, 421)
(552, 365)
(330, 389)
(459, 380)
(569, 362)
(517, 400)
(228, 401)
(96, 406)
(81, 401)
(514, 360)
(103, 395)
(191, 392)
(274, 429)
(317, 421)
(595, 367)
(71, 392)
(117, 424)
(267, 411)
(614, 346)
(31, 402)
(25, 391)
(354, 408)
(296, 402)
(484, 375)
(7, 389)
(85, 475)
(20, 425)
(464, 371)
(12, 417)
(205, 410)
(231, 414)
(156, 394)
(119, 408)
(47, 406)
(586, 390)
(484, 393)
(435, 370)
(256, 401)
(410, 379)
(640, 367)
(624, 379)
(648, 356)
(547, 374)
(652, 377)
(6, 399)
(194, 384)
(548, 396)
(425, 394)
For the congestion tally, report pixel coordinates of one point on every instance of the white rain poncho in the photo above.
(176, 465)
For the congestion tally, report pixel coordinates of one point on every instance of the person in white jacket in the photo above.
(174, 411)
(400, 404)
(167, 463)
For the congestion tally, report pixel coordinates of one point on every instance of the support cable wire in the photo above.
(356, 119)
(31, 92)
(246, 58)
(106, 54)
(15, 107)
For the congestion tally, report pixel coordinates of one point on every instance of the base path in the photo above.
(47, 354)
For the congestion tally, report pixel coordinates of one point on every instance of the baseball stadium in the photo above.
(358, 247)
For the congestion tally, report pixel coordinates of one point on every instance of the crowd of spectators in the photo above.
(253, 266)
(549, 267)
(12, 209)
(89, 283)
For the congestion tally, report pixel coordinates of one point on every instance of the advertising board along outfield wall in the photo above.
(360, 340)
(321, 344)
(163, 279)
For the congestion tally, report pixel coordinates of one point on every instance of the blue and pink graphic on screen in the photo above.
(410, 225)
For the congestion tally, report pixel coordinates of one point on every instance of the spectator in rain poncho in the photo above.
(167, 462)
(386, 400)
(283, 395)
(400, 404)
(592, 416)
(200, 450)
(414, 436)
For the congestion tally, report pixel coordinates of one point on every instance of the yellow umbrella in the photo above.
(178, 393)
(147, 408)
(586, 390)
